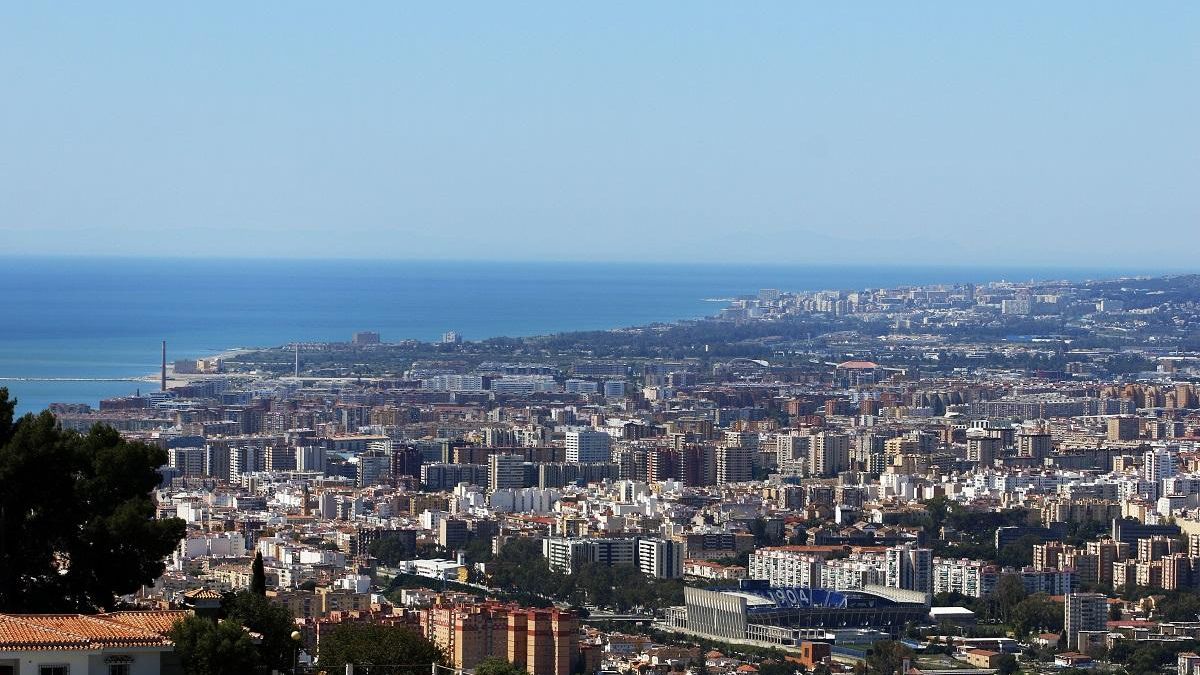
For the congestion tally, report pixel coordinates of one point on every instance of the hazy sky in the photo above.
(902, 132)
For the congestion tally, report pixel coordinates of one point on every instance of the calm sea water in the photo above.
(104, 317)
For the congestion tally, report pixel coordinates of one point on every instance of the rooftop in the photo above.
(55, 632)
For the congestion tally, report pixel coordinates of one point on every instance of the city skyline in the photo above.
(563, 339)
(915, 134)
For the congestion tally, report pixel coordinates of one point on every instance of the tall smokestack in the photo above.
(296, 372)
(164, 366)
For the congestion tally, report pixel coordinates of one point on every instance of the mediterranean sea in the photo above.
(72, 328)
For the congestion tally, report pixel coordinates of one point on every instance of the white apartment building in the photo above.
(910, 568)
(188, 461)
(1084, 612)
(1158, 464)
(506, 471)
(972, 578)
(660, 558)
(857, 571)
(523, 500)
(783, 567)
(587, 445)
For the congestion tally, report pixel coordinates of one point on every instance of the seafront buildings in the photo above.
(806, 469)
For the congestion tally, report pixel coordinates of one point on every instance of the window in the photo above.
(118, 669)
(54, 670)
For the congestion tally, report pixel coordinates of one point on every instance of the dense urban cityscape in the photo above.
(934, 479)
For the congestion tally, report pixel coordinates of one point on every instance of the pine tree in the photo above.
(77, 515)
(258, 575)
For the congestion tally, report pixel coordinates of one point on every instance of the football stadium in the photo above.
(788, 616)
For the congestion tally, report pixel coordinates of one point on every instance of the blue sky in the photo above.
(952, 133)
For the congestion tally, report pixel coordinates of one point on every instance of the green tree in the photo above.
(258, 575)
(77, 524)
(1148, 660)
(494, 665)
(1018, 553)
(270, 620)
(1007, 665)
(8, 407)
(1009, 591)
(1179, 607)
(520, 565)
(390, 550)
(799, 536)
(886, 657)
(1146, 657)
(954, 599)
(478, 550)
(599, 584)
(373, 643)
(938, 510)
(1036, 613)
(207, 648)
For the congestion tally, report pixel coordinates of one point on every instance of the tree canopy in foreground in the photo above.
(494, 665)
(398, 647)
(206, 647)
(77, 524)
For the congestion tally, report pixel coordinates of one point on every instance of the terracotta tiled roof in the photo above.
(80, 631)
(15, 633)
(159, 622)
(202, 594)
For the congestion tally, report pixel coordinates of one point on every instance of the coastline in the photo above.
(34, 394)
(63, 346)
(176, 380)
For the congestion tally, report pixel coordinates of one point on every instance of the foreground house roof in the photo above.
(56, 632)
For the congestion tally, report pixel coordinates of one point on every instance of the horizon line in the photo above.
(1140, 269)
